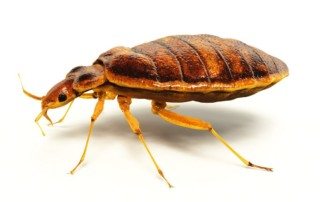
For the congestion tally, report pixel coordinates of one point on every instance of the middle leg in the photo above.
(124, 103)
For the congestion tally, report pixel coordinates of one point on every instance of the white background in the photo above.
(277, 127)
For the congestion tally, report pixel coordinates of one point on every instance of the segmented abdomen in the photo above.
(205, 58)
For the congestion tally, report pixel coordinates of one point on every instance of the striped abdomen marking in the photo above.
(239, 66)
(168, 67)
(217, 66)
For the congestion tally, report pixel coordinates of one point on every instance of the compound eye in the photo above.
(62, 97)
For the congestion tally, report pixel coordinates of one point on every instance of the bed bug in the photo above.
(183, 68)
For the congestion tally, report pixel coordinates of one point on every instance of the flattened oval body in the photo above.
(191, 64)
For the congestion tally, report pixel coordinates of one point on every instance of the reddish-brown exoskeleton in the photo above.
(201, 68)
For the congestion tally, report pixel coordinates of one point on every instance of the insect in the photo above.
(182, 68)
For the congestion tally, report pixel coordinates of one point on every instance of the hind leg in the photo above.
(159, 108)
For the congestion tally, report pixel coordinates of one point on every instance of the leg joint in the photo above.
(157, 106)
(124, 102)
(137, 131)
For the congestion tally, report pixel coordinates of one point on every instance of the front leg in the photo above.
(94, 95)
(97, 111)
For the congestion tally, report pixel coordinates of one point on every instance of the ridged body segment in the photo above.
(192, 63)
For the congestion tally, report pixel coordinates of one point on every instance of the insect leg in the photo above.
(124, 103)
(159, 109)
(64, 115)
(97, 111)
(93, 95)
(84, 96)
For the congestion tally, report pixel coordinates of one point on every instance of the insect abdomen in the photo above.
(207, 58)
(192, 63)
